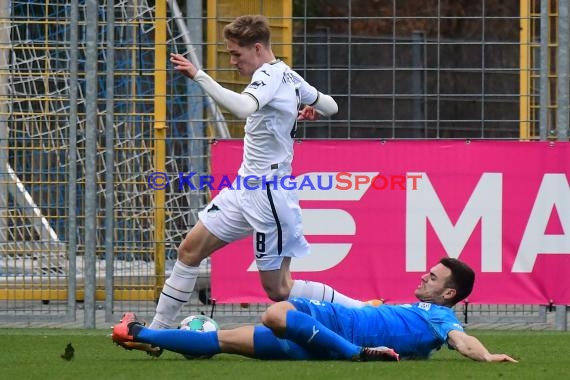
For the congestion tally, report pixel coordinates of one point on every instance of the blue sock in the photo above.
(186, 342)
(310, 333)
(269, 347)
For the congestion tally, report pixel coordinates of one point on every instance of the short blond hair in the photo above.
(248, 30)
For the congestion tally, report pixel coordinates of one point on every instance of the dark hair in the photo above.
(461, 279)
(248, 30)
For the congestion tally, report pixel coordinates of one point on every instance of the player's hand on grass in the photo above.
(183, 65)
(308, 113)
(501, 358)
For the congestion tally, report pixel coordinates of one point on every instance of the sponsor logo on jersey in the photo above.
(212, 211)
(424, 306)
(255, 85)
(315, 332)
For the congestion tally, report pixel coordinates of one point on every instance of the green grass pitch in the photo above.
(35, 354)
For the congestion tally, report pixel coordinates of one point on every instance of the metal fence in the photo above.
(90, 109)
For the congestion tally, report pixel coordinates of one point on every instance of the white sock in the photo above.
(321, 292)
(175, 293)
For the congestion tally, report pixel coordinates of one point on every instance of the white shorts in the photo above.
(272, 214)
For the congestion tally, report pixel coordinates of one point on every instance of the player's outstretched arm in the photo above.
(241, 105)
(472, 348)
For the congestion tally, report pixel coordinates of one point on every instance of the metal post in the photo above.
(72, 164)
(195, 129)
(561, 318)
(91, 129)
(4, 112)
(524, 72)
(438, 73)
(563, 67)
(349, 71)
(222, 130)
(544, 70)
(483, 73)
(109, 161)
(419, 127)
(159, 141)
(321, 78)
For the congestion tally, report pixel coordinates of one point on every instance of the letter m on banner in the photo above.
(484, 205)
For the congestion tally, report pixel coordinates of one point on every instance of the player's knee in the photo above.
(188, 255)
(267, 318)
(274, 317)
(276, 293)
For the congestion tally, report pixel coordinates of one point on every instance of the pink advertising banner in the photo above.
(380, 214)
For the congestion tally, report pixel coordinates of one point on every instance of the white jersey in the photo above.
(269, 131)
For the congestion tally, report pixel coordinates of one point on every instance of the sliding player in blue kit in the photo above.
(305, 329)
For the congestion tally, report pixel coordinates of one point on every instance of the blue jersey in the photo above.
(412, 330)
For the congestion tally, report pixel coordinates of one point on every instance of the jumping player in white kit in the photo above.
(271, 104)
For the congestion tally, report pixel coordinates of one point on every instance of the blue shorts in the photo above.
(335, 317)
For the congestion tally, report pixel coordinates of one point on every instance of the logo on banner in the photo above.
(323, 181)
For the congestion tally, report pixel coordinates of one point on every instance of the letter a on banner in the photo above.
(554, 191)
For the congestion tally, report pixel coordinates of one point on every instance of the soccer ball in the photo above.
(199, 323)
